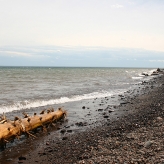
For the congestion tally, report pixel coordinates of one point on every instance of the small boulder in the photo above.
(158, 70)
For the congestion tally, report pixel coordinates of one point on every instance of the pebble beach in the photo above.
(135, 135)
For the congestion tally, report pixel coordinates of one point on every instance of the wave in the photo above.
(137, 77)
(140, 75)
(27, 104)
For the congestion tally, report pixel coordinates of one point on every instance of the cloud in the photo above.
(156, 61)
(21, 54)
(80, 56)
(117, 6)
(15, 53)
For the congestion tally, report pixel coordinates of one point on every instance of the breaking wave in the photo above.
(27, 104)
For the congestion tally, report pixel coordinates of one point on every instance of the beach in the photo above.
(130, 132)
(82, 82)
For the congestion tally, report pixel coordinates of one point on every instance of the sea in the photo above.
(33, 87)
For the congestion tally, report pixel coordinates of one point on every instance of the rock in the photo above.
(141, 152)
(50, 150)
(69, 131)
(63, 131)
(9, 159)
(158, 70)
(64, 138)
(145, 74)
(81, 124)
(159, 119)
(106, 116)
(147, 144)
(154, 73)
(44, 153)
(22, 158)
(107, 134)
(67, 126)
(111, 111)
(122, 103)
(130, 136)
(83, 107)
(100, 109)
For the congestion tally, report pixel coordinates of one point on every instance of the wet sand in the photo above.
(130, 131)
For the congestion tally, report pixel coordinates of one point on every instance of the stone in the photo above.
(69, 131)
(64, 138)
(159, 119)
(9, 159)
(147, 144)
(22, 158)
(141, 152)
(111, 111)
(63, 131)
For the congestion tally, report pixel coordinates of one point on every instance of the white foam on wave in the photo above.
(148, 72)
(38, 103)
(140, 77)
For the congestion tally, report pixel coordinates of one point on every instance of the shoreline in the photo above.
(88, 145)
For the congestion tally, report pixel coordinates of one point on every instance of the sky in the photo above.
(102, 33)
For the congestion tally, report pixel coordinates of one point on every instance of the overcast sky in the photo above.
(82, 32)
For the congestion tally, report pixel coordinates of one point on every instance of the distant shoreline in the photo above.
(77, 67)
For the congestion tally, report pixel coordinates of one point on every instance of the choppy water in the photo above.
(28, 87)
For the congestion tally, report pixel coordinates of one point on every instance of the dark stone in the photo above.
(107, 135)
(81, 124)
(22, 158)
(63, 131)
(67, 126)
(123, 103)
(158, 70)
(64, 138)
(69, 131)
(110, 111)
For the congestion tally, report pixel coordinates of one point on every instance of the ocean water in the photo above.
(30, 87)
